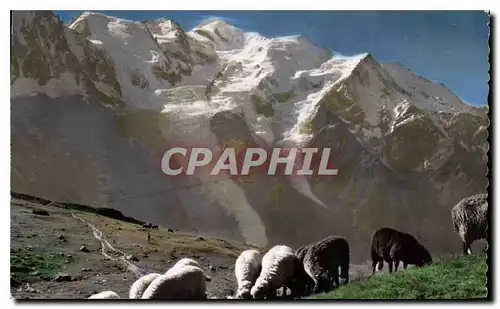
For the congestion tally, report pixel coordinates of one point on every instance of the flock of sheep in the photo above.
(311, 269)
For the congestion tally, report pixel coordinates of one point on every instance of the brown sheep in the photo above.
(325, 261)
(391, 245)
(470, 220)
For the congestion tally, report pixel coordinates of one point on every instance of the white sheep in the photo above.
(186, 282)
(279, 265)
(247, 269)
(105, 295)
(139, 286)
(187, 261)
(184, 262)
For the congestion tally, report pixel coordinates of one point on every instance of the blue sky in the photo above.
(450, 47)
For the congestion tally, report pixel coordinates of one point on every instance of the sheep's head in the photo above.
(243, 294)
(300, 281)
(243, 291)
(423, 257)
(259, 290)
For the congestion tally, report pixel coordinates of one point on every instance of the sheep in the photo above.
(186, 282)
(139, 286)
(187, 261)
(391, 245)
(323, 260)
(105, 295)
(470, 220)
(247, 269)
(279, 265)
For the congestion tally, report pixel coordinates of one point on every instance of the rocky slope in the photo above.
(95, 104)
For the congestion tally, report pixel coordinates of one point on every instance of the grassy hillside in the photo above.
(456, 277)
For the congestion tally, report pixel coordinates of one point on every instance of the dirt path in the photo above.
(110, 252)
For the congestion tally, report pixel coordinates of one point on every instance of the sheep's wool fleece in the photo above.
(248, 265)
(105, 295)
(187, 282)
(278, 265)
(247, 269)
(141, 284)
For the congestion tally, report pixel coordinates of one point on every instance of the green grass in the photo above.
(31, 265)
(456, 277)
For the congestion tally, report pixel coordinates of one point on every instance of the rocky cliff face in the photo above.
(95, 104)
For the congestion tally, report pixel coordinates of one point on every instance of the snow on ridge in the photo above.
(402, 115)
(134, 52)
(330, 73)
(224, 35)
(428, 95)
(401, 108)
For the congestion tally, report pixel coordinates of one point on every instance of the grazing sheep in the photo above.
(325, 261)
(247, 269)
(139, 286)
(186, 282)
(105, 295)
(185, 262)
(278, 269)
(391, 245)
(470, 220)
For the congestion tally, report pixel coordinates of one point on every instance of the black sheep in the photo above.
(391, 245)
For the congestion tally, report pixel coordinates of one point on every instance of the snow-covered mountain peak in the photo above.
(142, 63)
(166, 26)
(219, 32)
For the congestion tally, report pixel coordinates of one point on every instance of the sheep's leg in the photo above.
(284, 294)
(390, 266)
(466, 248)
(396, 265)
(375, 260)
(310, 286)
(344, 272)
(335, 276)
(379, 264)
(374, 265)
(405, 265)
(316, 288)
(324, 282)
